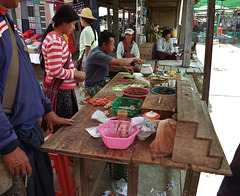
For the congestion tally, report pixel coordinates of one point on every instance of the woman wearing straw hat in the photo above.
(88, 38)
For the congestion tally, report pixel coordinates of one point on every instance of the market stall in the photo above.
(196, 147)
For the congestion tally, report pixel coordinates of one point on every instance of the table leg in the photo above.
(191, 183)
(133, 170)
(80, 173)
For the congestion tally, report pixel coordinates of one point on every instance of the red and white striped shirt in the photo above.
(55, 52)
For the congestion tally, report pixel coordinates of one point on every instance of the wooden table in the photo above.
(76, 142)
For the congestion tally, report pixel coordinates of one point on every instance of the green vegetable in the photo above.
(129, 76)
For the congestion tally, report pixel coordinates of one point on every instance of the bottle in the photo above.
(156, 66)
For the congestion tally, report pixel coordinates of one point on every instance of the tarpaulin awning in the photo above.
(231, 4)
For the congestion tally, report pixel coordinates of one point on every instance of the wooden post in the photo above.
(80, 172)
(183, 25)
(178, 14)
(129, 18)
(133, 170)
(123, 21)
(191, 183)
(150, 15)
(208, 50)
(188, 33)
(108, 18)
(115, 22)
(177, 19)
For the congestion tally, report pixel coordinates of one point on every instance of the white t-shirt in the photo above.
(163, 45)
(86, 39)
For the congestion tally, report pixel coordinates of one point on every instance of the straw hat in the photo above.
(87, 13)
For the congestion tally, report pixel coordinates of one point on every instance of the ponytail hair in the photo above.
(90, 21)
(64, 14)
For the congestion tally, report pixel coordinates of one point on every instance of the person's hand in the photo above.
(79, 76)
(138, 60)
(174, 53)
(129, 69)
(52, 118)
(136, 67)
(17, 163)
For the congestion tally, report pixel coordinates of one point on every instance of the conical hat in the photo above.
(87, 13)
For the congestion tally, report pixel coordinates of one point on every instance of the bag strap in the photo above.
(12, 75)
(79, 62)
(129, 55)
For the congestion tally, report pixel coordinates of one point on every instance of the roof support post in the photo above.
(183, 25)
(123, 20)
(188, 33)
(208, 50)
(115, 21)
(129, 18)
(108, 18)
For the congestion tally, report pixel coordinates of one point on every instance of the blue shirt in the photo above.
(30, 102)
(96, 66)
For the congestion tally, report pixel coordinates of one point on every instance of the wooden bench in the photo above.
(195, 141)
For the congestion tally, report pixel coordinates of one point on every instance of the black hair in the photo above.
(64, 14)
(105, 37)
(165, 32)
(90, 21)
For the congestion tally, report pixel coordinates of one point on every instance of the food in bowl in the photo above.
(163, 91)
(136, 92)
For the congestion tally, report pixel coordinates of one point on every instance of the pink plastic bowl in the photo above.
(114, 133)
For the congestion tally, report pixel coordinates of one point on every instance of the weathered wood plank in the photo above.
(80, 174)
(167, 68)
(185, 105)
(189, 70)
(166, 108)
(196, 145)
(143, 155)
(196, 70)
(133, 170)
(174, 68)
(191, 183)
(59, 137)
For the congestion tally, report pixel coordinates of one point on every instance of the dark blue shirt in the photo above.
(96, 66)
(30, 103)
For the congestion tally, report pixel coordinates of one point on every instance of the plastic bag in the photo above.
(163, 144)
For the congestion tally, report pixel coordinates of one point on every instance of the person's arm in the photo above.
(120, 50)
(87, 50)
(136, 52)
(124, 61)
(117, 68)
(88, 38)
(52, 118)
(160, 45)
(13, 157)
(171, 49)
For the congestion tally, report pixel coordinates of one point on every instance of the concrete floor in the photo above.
(224, 110)
(225, 104)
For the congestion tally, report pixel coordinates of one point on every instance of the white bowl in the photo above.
(143, 135)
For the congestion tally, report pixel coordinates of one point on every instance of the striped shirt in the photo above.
(55, 52)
